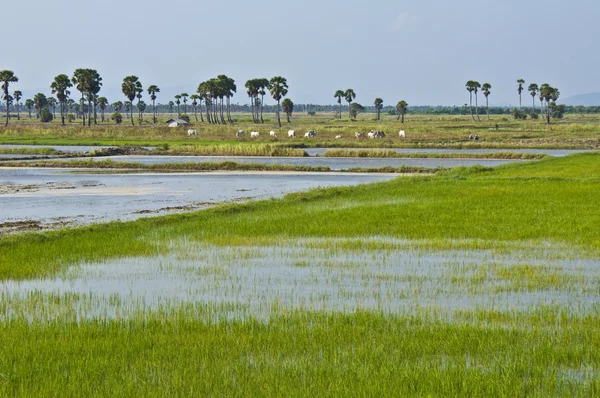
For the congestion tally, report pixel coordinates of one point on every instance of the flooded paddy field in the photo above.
(550, 152)
(55, 197)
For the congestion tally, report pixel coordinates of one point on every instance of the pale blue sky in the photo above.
(421, 51)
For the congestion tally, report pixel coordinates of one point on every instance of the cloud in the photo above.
(403, 21)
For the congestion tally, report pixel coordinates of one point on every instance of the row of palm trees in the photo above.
(546, 93)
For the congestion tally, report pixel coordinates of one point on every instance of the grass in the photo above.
(235, 150)
(28, 151)
(381, 153)
(546, 209)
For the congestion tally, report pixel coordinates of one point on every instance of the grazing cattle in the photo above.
(310, 134)
(359, 134)
(273, 134)
(376, 134)
(402, 134)
(291, 133)
(254, 134)
(337, 137)
(193, 132)
(240, 133)
(476, 138)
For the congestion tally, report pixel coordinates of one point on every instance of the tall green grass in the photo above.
(382, 153)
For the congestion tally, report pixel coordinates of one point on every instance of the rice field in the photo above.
(471, 282)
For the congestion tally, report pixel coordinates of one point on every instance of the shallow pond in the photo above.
(60, 195)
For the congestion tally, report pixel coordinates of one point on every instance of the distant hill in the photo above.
(589, 99)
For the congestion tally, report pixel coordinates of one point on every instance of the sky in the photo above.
(419, 51)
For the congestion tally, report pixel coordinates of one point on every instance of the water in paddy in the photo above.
(316, 275)
(59, 195)
(551, 152)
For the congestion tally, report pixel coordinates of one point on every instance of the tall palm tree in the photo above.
(131, 87)
(7, 77)
(252, 89)
(88, 82)
(171, 105)
(339, 95)
(117, 106)
(486, 91)
(178, 101)
(349, 95)
(550, 95)
(184, 97)
(152, 90)
(52, 104)
(231, 89)
(40, 101)
(470, 86)
(287, 105)
(476, 86)
(102, 103)
(378, 106)
(200, 99)
(262, 84)
(278, 88)
(29, 105)
(17, 95)
(520, 84)
(401, 108)
(60, 87)
(194, 98)
(203, 91)
(533, 90)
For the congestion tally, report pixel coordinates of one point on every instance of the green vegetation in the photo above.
(469, 234)
(382, 153)
(28, 151)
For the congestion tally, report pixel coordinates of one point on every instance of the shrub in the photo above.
(534, 116)
(70, 118)
(117, 117)
(185, 117)
(311, 113)
(46, 116)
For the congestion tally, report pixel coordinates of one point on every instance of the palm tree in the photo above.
(178, 101)
(60, 87)
(171, 105)
(184, 97)
(52, 104)
(17, 95)
(131, 87)
(349, 95)
(102, 103)
(117, 106)
(39, 101)
(520, 83)
(533, 90)
(486, 91)
(339, 95)
(288, 107)
(194, 98)
(470, 88)
(29, 105)
(203, 91)
(252, 90)
(7, 77)
(88, 82)
(152, 90)
(401, 108)
(378, 106)
(476, 86)
(278, 88)
(549, 93)
(262, 85)
(231, 89)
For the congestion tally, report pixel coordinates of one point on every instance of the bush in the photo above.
(70, 118)
(534, 116)
(117, 117)
(46, 116)
(518, 115)
(311, 113)
(185, 117)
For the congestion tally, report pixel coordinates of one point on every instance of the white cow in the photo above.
(402, 134)
(254, 134)
(359, 134)
(337, 137)
(291, 133)
(376, 134)
(273, 134)
(193, 132)
(310, 134)
(371, 134)
(240, 133)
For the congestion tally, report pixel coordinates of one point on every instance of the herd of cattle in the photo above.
(309, 134)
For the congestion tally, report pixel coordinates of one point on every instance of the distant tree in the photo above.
(520, 84)
(533, 90)
(131, 87)
(102, 103)
(60, 87)
(88, 82)
(378, 106)
(471, 88)
(152, 90)
(117, 117)
(355, 109)
(184, 97)
(278, 88)
(401, 109)
(17, 95)
(29, 105)
(349, 95)
(171, 105)
(231, 89)
(178, 101)
(550, 95)
(486, 91)
(339, 95)
(7, 77)
(262, 85)
(288, 107)
(141, 105)
(252, 91)
(40, 102)
(52, 105)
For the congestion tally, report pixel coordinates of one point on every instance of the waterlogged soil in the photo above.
(51, 196)
(314, 275)
(336, 164)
